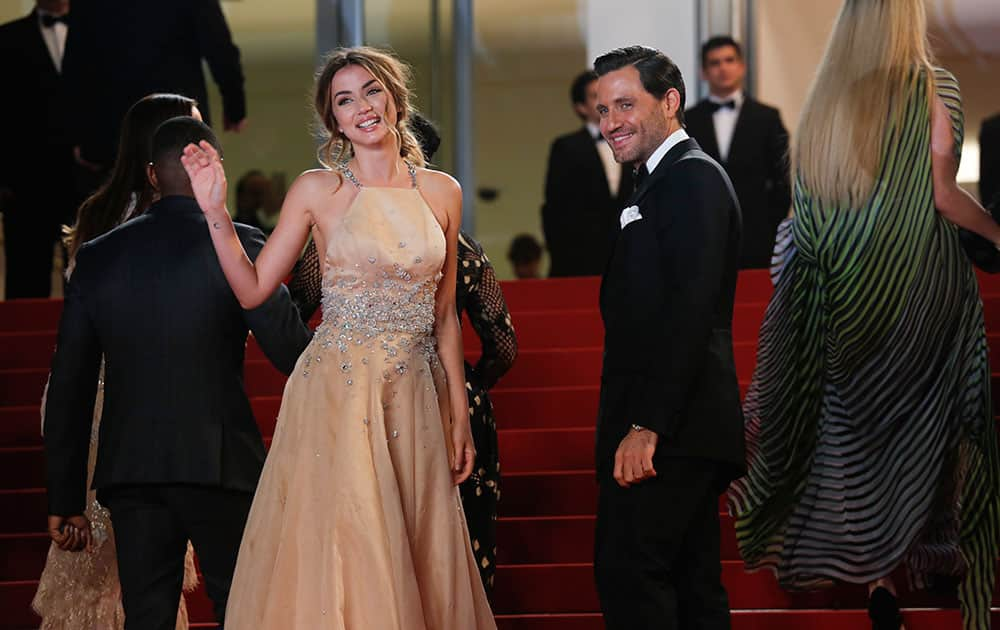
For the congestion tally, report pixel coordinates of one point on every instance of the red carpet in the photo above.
(546, 409)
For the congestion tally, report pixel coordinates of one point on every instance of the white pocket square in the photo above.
(629, 215)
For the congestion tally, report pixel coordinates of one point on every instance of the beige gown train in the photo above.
(356, 523)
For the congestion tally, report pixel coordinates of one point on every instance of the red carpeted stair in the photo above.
(546, 408)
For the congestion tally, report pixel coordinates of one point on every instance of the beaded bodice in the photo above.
(382, 267)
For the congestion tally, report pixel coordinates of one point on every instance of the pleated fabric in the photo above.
(870, 432)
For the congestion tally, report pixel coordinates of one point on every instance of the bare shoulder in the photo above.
(443, 194)
(317, 181)
(318, 189)
(439, 184)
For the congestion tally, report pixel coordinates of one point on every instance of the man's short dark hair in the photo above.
(656, 71)
(719, 41)
(174, 134)
(578, 91)
(524, 249)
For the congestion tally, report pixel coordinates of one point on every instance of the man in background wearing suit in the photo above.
(179, 453)
(748, 139)
(123, 51)
(670, 426)
(989, 161)
(584, 191)
(36, 165)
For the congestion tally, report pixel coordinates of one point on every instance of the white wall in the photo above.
(668, 25)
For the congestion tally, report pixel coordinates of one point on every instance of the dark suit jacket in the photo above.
(34, 125)
(989, 160)
(151, 298)
(757, 164)
(667, 305)
(121, 51)
(579, 214)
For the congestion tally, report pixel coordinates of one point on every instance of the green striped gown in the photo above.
(870, 432)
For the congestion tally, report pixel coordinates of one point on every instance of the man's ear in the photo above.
(581, 110)
(672, 102)
(151, 176)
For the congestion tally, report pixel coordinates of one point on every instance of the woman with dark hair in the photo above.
(478, 294)
(81, 591)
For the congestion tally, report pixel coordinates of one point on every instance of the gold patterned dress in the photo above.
(356, 523)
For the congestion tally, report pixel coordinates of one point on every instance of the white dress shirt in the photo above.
(55, 40)
(612, 170)
(672, 140)
(724, 120)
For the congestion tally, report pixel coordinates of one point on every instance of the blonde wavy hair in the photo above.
(393, 74)
(877, 55)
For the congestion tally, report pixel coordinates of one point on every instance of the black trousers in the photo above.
(657, 559)
(152, 525)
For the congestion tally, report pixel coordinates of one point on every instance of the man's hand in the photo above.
(71, 533)
(634, 457)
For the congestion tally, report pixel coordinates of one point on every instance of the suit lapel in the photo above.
(703, 128)
(674, 154)
(661, 169)
(743, 124)
(588, 148)
(36, 45)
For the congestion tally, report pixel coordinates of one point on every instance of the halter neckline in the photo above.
(349, 174)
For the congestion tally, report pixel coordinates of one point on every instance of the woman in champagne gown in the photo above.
(357, 521)
(479, 295)
(79, 590)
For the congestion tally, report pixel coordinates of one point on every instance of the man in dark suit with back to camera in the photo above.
(670, 426)
(179, 453)
(36, 165)
(584, 190)
(749, 140)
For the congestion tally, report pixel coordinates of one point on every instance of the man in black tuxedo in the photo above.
(989, 160)
(123, 51)
(36, 166)
(670, 426)
(179, 453)
(748, 139)
(584, 190)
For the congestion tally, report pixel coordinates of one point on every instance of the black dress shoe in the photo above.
(883, 610)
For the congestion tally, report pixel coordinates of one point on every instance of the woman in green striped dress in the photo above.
(870, 431)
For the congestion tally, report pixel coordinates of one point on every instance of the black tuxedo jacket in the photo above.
(37, 159)
(989, 160)
(579, 215)
(121, 51)
(667, 305)
(151, 298)
(757, 164)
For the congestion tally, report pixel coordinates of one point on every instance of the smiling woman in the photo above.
(373, 431)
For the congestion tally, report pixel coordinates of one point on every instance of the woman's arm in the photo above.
(252, 282)
(444, 193)
(954, 203)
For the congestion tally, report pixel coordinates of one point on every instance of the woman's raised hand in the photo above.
(208, 178)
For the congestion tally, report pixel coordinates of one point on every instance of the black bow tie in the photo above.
(49, 20)
(730, 104)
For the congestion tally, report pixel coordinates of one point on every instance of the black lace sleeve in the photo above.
(480, 296)
(306, 285)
